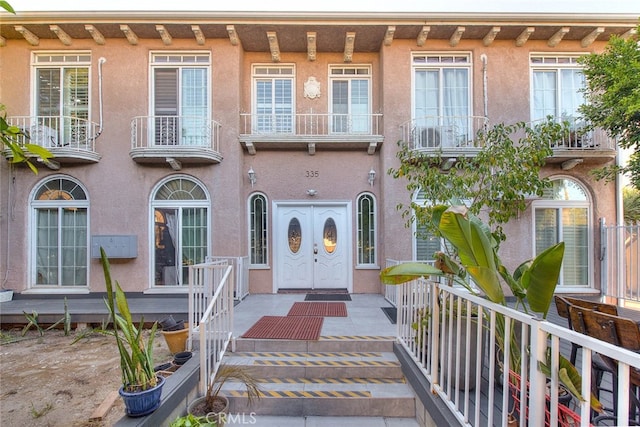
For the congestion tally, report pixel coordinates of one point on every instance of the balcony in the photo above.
(311, 131)
(70, 139)
(578, 145)
(175, 140)
(448, 136)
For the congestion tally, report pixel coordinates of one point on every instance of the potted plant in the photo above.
(215, 406)
(141, 386)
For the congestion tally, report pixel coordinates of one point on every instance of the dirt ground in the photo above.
(48, 381)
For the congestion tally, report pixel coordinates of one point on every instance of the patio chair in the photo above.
(619, 331)
(599, 368)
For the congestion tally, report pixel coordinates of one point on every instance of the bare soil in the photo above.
(49, 381)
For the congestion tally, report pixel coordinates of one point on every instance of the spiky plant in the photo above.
(228, 372)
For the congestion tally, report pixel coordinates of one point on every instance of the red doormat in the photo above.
(327, 309)
(286, 328)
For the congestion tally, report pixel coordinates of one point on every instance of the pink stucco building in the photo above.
(183, 135)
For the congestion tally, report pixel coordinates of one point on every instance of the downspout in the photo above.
(101, 61)
(485, 100)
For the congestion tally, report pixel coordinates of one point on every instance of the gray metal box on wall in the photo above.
(123, 246)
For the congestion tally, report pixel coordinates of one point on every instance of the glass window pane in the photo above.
(366, 230)
(258, 230)
(575, 266)
(294, 235)
(544, 94)
(329, 235)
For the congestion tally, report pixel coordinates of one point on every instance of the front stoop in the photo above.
(334, 376)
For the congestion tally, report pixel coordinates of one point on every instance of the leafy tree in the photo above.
(495, 182)
(613, 100)
(631, 203)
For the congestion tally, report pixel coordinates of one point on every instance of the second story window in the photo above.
(180, 98)
(273, 99)
(442, 99)
(556, 87)
(350, 99)
(61, 97)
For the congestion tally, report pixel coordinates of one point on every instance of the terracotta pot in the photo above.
(176, 340)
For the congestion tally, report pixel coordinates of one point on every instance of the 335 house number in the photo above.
(311, 174)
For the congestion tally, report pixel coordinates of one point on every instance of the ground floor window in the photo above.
(180, 212)
(366, 229)
(258, 230)
(60, 212)
(564, 215)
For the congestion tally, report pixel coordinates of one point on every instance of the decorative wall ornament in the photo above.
(312, 88)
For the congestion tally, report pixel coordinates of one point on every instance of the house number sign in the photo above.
(311, 174)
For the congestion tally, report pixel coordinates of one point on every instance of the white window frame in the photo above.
(181, 124)
(555, 62)
(265, 224)
(452, 129)
(173, 204)
(59, 129)
(373, 230)
(270, 72)
(354, 124)
(34, 206)
(559, 205)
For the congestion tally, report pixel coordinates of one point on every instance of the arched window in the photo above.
(60, 241)
(180, 223)
(366, 229)
(258, 247)
(564, 215)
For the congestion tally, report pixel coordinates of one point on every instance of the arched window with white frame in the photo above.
(564, 215)
(60, 237)
(180, 223)
(258, 243)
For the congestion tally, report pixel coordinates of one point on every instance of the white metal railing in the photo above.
(443, 132)
(241, 268)
(578, 137)
(391, 291)
(620, 261)
(52, 132)
(210, 315)
(175, 132)
(453, 337)
(311, 124)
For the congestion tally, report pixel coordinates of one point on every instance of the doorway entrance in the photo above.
(312, 245)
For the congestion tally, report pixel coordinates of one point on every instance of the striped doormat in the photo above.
(327, 309)
(286, 328)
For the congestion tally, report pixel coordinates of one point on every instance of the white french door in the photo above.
(312, 246)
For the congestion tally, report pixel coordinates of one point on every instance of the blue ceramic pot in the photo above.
(141, 403)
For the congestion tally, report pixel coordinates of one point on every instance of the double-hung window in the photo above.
(441, 99)
(273, 99)
(350, 99)
(556, 85)
(180, 98)
(61, 98)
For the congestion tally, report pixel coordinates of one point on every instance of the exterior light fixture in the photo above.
(372, 176)
(252, 176)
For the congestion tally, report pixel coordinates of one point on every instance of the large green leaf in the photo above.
(468, 237)
(541, 278)
(489, 281)
(408, 271)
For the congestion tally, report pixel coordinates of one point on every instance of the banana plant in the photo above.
(533, 282)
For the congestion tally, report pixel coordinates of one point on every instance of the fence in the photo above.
(241, 268)
(210, 314)
(620, 261)
(461, 344)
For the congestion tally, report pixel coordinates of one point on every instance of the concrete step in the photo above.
(352, 377)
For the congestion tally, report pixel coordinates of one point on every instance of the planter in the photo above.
(181, 358)
(219, 413)
(176, 340)
(141, 403)
(168, 323)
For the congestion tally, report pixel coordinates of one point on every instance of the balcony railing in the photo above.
(66, 137)
(577, 138)
(452, 337)
(446, 133)
(174, 131)
(327, 130)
